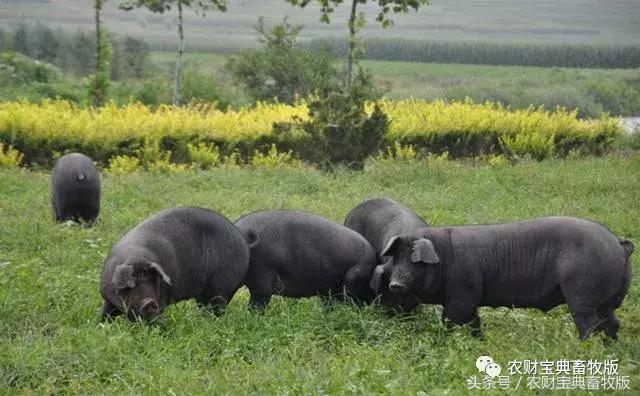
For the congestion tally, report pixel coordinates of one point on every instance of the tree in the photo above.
(100, 83)
(47, 44)
(83, 50)
(282, 69)
(161, 6)
(135, 57)
(356, 21)
(21, 39)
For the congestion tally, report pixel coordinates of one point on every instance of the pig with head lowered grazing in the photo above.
(299, 254)
(378, 220)
(175, 255)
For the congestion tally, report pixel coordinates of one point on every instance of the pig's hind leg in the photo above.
(584, 311)
(610, 323)
(356, 282)
(261, 282)
(218, 293)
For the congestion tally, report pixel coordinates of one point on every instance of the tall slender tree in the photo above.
(161, 6)
(357, 20)
(100, 82)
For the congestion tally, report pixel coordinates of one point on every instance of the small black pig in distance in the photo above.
(298, 254)
(175, 255)
(75, 188)
(539, 263)
(378, 220)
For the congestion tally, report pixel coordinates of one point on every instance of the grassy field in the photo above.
(51, 341)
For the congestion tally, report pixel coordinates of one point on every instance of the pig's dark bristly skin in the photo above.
(75, 188)
(378, 220)
(539, 263)
(298, 254)
(175, 255)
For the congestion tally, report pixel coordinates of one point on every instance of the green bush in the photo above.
(282, 70)
(339, 132)
(19, 69)
(37, 92)
(199, 87)
(616, 97)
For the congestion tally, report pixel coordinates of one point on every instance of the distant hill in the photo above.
(544, 21)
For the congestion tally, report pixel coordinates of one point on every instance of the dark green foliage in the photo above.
(562, 55)
(282, 70)
(83, 50)
(165, 5)
(21, 40)
(327, 7)
(339, 131)
(131, 59)
(47, 43)
(76, 52)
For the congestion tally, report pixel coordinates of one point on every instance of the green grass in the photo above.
(51, 341)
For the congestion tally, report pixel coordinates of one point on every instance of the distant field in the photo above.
(409, 70)
(518, 86)
(546, 21)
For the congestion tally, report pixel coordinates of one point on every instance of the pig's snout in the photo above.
(398, 287)
(149, 307)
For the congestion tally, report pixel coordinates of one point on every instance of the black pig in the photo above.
(539, 263)
(75, 188)
(298, 254)
(175, 255)
(378, 220)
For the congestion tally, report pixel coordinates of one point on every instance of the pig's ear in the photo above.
(424, 252)
(376, 278)
(252, 239)
(123, 277)
(157, 268)
(392, 246)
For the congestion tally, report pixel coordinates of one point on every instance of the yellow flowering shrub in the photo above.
(123, 164)
(9, 157)
(274, 159)
(461, 128)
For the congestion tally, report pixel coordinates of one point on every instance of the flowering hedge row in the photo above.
(42, 131)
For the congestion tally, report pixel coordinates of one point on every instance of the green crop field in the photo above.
(51, 340)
